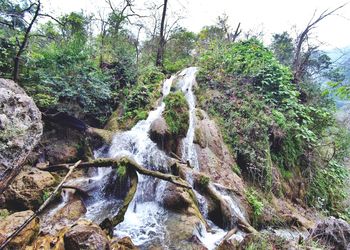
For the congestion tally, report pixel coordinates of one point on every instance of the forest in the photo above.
(124, 129)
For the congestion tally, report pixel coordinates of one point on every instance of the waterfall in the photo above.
(186, 82)
(145, 217)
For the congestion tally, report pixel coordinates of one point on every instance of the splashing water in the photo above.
(145, 217)
(186, 82)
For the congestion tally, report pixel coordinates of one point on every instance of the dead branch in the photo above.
(129, 163)
(298, 63)
(41, 208)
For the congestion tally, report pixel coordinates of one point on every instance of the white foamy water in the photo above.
(186, 82)
(145, 217)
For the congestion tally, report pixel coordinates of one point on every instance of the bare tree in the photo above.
(22, 45)
(302, 58)
(161, 45)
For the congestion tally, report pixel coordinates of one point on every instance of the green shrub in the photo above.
(204, 181)
(255, 203)
(260, 113)
(328, 189)
(176, 113)
(4, 213)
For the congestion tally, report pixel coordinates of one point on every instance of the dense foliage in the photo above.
(176, 113)
(264, 120)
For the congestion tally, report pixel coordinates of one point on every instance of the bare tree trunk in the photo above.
(238, 31)
(24, 43)
(160, 52)
(299, 64)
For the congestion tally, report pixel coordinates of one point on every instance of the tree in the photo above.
(13, 18)
(283, 48)
(303, 49)
(222, 23)
(161, 45)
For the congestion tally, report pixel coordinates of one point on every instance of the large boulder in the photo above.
(63, 216)
(182, 231)
(332, 232)
(12, 222)
(28, 189)
(160, 134)
(214, 157)
(20, 129)
(86, 235)
(176, 198)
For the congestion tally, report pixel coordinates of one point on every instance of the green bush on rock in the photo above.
(176, 113)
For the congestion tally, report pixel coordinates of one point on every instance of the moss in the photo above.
(121, 171)
(236, 169)
(263, 241)
(176, 113)
(4, 213)
(204, 181)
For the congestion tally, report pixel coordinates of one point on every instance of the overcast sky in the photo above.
(269, 16)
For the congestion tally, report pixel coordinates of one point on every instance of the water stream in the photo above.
(145, 217)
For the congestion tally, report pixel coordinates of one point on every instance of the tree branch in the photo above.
(41, 208)
(129, 163)
(108, 224)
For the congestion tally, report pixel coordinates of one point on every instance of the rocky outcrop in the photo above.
(333, 233)
(160, 134)
(12, 222)
(28, 189)
(86, 235)
(213, 155)
(20, 129)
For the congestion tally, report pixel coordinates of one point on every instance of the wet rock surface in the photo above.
(28, 189)
(213, 155)
(86, 235)
(181, 230)
(12, 222)
(124, 243)
(20, 126)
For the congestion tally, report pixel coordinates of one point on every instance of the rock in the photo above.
(64, 216)
(21, 128)
(176, 198)
(124, 243)
(12, 222)
(213, 155)
(182, 230)
(159, 133)
(86, 235)
(28, 189)
(61, 145)
(71, 211)
(266, 240)
(332, 232)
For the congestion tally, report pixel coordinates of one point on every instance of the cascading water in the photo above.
(188, 78)
(145, 217)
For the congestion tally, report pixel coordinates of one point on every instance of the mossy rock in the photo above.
(176, 113)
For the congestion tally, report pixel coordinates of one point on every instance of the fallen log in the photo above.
(127, 162)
